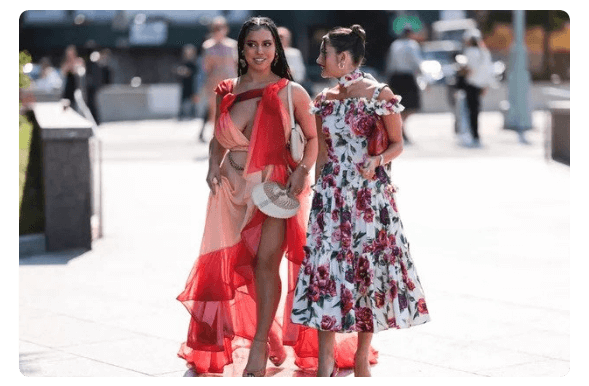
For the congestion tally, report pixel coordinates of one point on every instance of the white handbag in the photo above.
(274, 200)
(297, 138)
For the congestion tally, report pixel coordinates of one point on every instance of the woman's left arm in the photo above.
(301, 105)
(393, 125)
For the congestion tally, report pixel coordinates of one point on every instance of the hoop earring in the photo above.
(341, 65)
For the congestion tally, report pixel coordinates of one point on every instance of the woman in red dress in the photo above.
(234, 288)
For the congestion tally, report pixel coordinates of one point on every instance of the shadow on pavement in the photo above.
(51, 258)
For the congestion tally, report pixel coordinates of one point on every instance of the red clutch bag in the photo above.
(378, 141)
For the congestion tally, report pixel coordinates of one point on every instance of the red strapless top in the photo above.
(267, 145)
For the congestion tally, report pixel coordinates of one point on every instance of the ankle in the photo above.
(326, 367)
(361, 358)
(326, 362)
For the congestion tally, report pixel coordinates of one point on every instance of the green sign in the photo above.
(403, 21)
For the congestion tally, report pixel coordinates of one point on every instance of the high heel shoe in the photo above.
(335, 370)
(261, 372)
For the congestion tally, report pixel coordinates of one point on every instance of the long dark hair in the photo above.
(253, 24)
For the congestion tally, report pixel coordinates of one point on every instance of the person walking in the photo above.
(358, 275)
(479, 75)
(71, 67)
(219, 61)
(187, 72)
(234, 288)
(403, 64)
(293, 56)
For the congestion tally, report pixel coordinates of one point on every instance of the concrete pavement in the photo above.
(489, 231)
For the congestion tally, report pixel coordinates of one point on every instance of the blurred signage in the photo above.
(148, 33)
(407, 21)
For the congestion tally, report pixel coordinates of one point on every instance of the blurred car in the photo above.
(438, 60)
(452, 29)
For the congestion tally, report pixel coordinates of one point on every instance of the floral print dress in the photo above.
(357, 275)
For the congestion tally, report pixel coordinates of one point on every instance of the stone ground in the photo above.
(489, 229)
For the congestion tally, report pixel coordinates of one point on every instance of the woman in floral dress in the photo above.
(357, 275)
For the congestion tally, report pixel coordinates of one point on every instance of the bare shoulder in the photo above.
(299, 91)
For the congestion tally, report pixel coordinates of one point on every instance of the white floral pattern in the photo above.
(358, 274)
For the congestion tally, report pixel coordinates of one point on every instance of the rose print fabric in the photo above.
(357, 274)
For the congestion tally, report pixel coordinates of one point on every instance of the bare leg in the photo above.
(326, 359)
(404, 115)
(268, 288)
(361, 364)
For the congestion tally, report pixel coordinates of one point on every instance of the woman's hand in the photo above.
(368, 169)
(214, 177)
(296, 181)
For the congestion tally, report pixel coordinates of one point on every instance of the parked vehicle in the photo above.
(452, 29)
(438, 60)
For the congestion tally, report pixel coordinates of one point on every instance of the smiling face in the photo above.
(259, 49)
(328, 60)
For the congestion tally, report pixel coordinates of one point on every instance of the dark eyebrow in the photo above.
(264, 41)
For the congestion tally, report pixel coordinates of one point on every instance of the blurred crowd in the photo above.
(456, 58)
(74, 73)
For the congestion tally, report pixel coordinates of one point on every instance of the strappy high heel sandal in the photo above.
(335, 370)
(261, 372)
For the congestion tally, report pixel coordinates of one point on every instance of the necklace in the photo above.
(351, 78)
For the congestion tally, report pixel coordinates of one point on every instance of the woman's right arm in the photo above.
(216, 154)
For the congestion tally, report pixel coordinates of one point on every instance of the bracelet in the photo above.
(304, 167)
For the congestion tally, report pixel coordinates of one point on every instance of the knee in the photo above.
(267, 266)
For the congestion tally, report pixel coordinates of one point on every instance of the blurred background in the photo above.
(117, 67)
(139, 50)
(113, 138)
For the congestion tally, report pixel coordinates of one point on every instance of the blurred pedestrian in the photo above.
(49, 79)
(187, 71)
(293, 56)
(106, 71)
(403, 64)
(478, 75)
(358, 275)
(71, 68)
(98, 74)
(233, 290)
(219, 62)
(202, 104)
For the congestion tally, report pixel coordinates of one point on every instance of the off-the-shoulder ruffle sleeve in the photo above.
(224, 87)
(316, 106)
(322, 106)
(391, 106)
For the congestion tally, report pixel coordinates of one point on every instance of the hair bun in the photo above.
(358, 30)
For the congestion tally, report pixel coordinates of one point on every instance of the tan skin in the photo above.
(259, 44)
(335, 65)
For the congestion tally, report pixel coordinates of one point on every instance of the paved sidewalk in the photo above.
(489, 231)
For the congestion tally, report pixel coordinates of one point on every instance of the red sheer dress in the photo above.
(219, 292)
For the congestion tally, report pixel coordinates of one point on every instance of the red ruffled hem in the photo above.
(220, 298)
